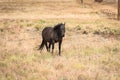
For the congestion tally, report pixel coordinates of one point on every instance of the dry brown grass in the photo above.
(89, 50)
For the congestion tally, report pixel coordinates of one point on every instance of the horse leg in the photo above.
(46, 46)
(60, 42)
(49, 47)
(52, 47)
(41, 46)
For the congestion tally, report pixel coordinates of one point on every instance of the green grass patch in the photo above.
(41, 21)
(46, 55)
(9, 76)
(3, 64)
(78, 66)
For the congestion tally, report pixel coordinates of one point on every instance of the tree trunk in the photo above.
(99, 1)
(81, 1)
(118, 9)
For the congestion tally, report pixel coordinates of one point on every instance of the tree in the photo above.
(81, 1)
(118, 9)
(99, 1)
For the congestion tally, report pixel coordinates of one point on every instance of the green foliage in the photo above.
(3, 64)
(9, 77)
(107, 31)
(78, 27)
(40, 24)
(41, 21)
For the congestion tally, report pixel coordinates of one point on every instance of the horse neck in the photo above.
(58, 33)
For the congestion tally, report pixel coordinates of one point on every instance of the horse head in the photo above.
(60, 29)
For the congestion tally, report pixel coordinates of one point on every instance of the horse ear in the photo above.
(54, 28)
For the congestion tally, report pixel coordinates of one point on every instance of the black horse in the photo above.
(53, 35)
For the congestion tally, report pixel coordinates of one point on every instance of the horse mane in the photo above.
(57, 26)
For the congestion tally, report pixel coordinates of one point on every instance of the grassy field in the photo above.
(90, 49)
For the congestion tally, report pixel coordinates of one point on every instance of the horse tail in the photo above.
(42, 45)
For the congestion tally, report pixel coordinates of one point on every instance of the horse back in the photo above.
(48, 34)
